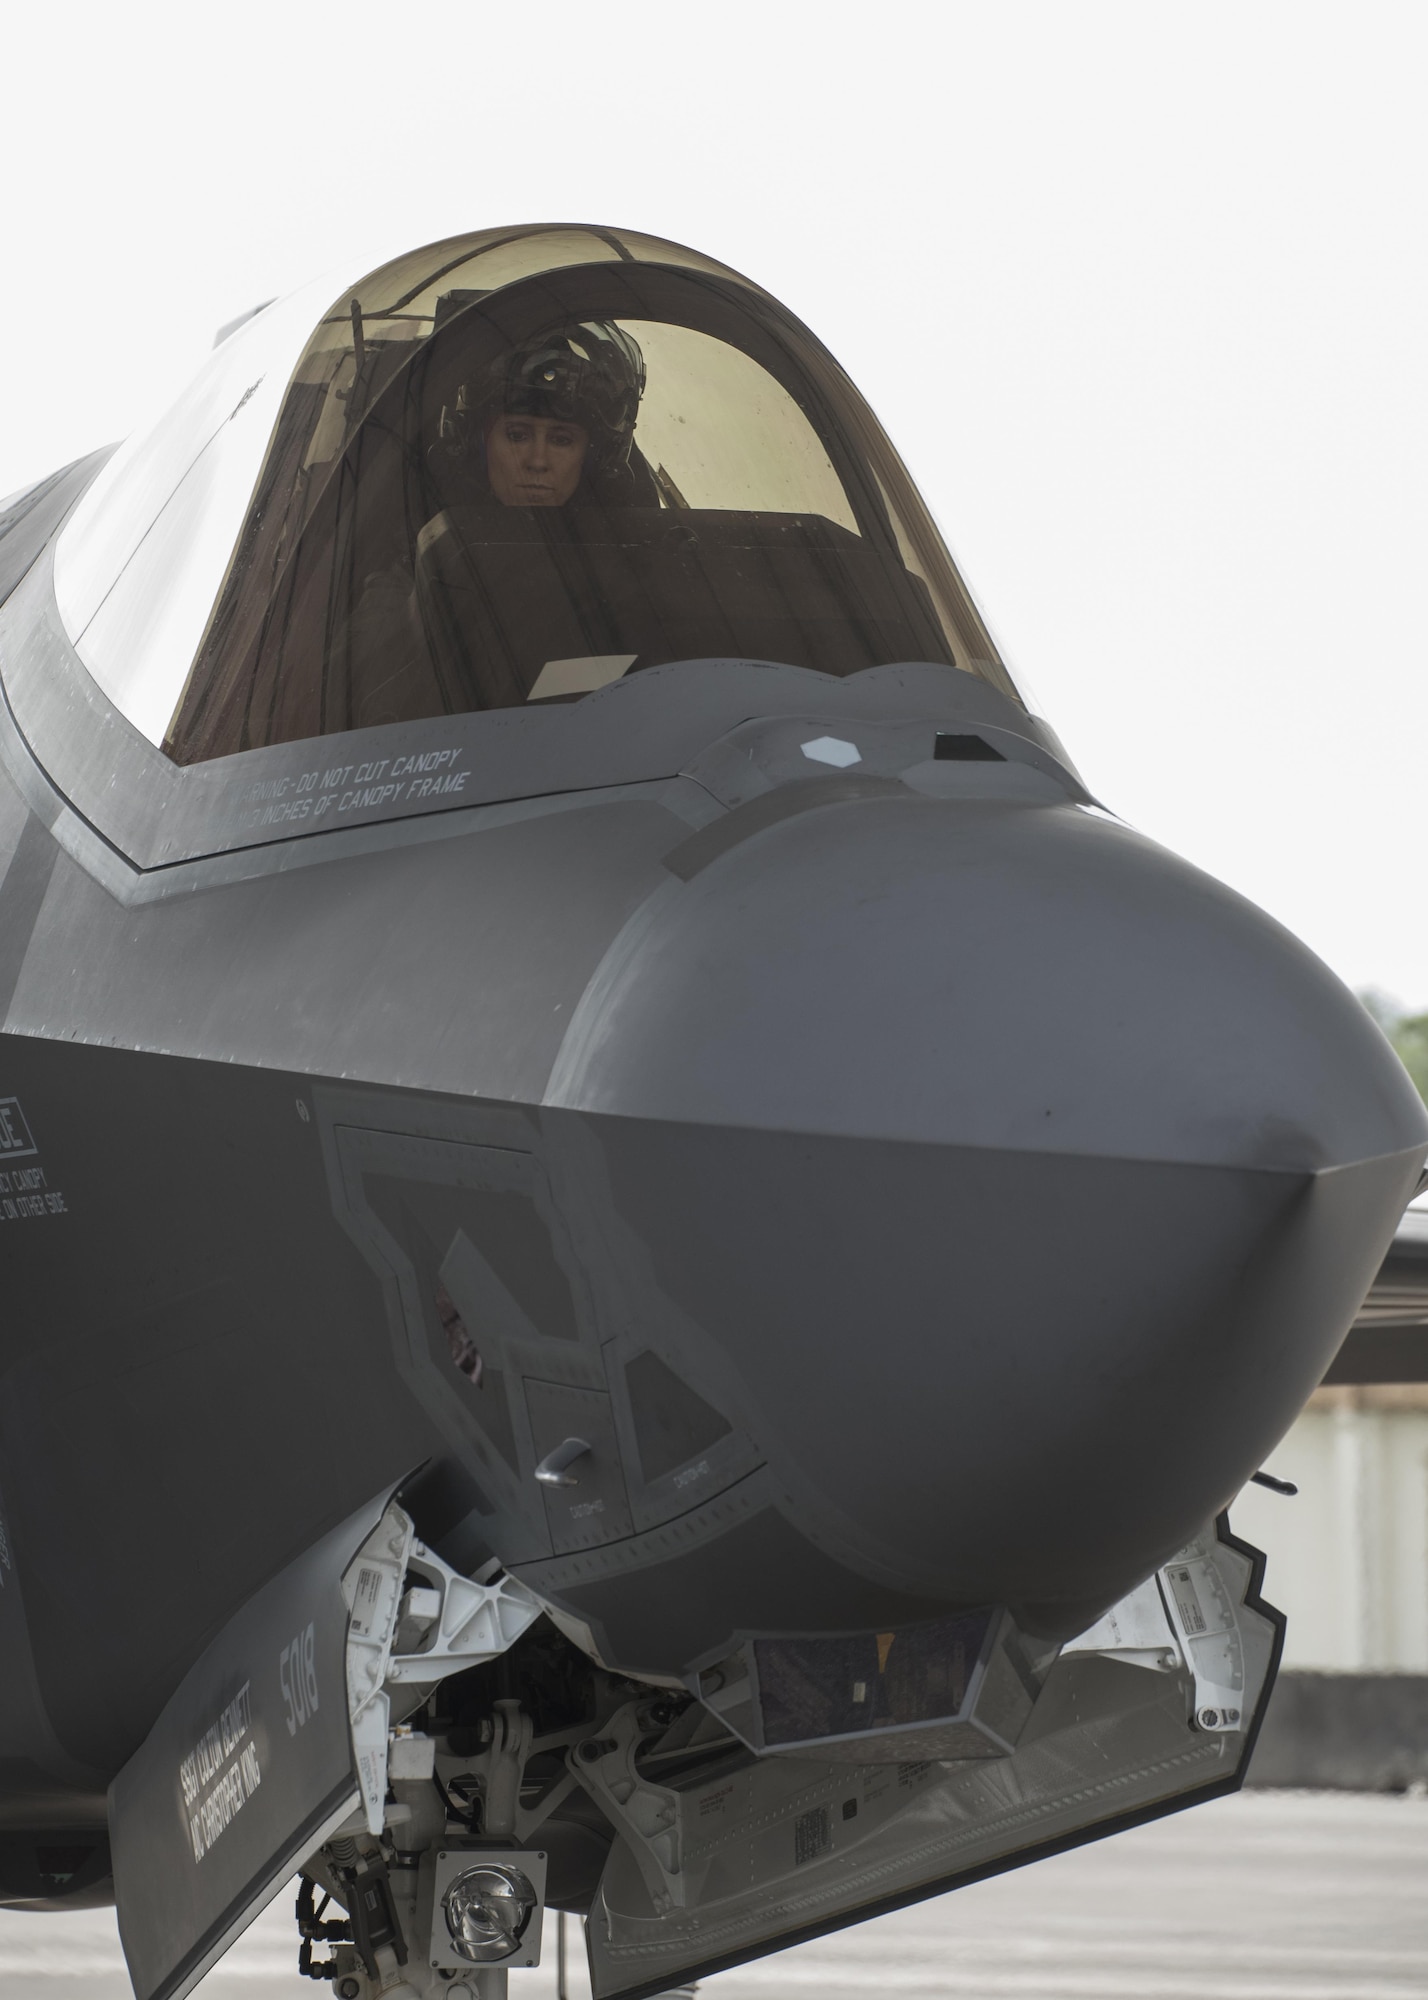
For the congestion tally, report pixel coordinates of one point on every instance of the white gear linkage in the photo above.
(1182, 1618)
(414, 1638)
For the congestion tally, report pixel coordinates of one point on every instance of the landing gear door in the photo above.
(246, 1771)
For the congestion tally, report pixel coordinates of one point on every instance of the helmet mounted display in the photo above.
(590, 373)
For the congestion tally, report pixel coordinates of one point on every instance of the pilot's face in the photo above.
(535, 461)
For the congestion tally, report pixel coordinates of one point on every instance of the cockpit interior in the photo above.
(511, 470)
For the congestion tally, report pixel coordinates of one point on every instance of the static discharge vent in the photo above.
(952, 748)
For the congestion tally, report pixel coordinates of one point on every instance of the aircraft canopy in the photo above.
(503, 470)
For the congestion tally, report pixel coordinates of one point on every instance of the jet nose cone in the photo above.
(1027, 1177)
(976, 975)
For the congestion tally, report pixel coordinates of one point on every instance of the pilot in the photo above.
(535, 461)
(551, 423)
(554, 420)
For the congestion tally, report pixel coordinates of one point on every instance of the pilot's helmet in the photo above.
(590, 372)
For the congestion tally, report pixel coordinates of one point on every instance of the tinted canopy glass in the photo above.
(509, 471)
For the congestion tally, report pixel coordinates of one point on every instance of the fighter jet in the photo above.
(641, 1248)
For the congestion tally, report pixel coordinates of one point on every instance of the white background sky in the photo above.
(1139, 291)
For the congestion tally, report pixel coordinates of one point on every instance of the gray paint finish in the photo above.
(981, 973)
(919, 1192)
(435, 967)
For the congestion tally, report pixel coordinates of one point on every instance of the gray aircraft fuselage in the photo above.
(917, 1189)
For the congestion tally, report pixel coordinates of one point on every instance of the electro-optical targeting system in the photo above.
(641, 1248)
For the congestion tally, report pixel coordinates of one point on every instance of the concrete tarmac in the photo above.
(1267, 1896)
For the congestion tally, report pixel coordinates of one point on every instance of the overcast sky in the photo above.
(1139, 291)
